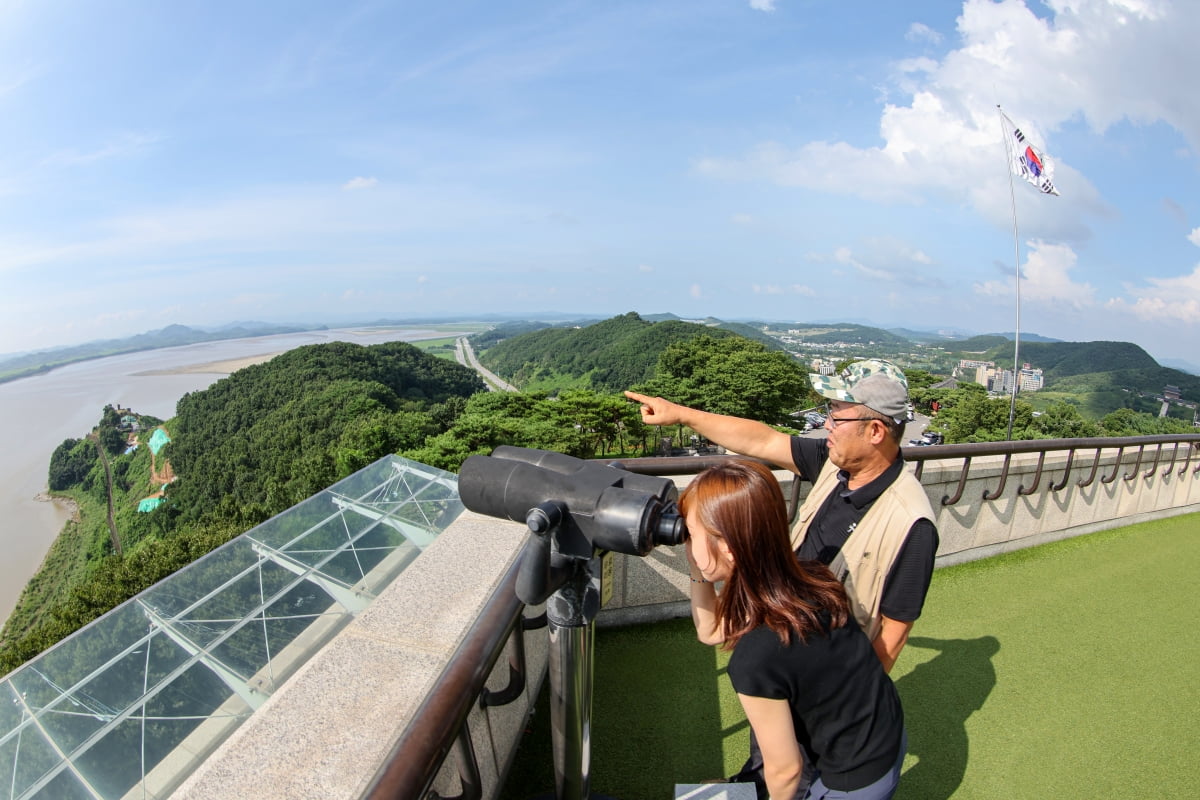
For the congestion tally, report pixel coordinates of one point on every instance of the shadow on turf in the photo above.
(656, 721)
(938, 697)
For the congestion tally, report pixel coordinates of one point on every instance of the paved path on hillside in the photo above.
(466, 356)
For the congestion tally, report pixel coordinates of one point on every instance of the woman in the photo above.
(805, 673)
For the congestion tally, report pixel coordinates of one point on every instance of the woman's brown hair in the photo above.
(741, 502)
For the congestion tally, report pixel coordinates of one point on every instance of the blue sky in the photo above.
(204, 162)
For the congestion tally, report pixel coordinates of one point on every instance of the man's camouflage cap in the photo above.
(878, 385)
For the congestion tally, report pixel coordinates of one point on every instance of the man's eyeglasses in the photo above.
(835, 421)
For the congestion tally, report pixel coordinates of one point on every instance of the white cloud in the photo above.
(917, 65)
(645, 268)
(1194, 237)
(695, 292)
(359, 183)
(1046, 279)
(1175, 299)
(894, 252)
(920, 32)
(762, 5)
(843, 255)
(1102, 61)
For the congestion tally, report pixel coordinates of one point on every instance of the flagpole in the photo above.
(1012, 195)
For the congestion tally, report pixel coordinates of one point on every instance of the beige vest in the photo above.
(867, 555)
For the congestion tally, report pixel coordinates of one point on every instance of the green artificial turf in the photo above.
(1067, 671)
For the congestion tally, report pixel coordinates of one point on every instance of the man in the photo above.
(866, 517)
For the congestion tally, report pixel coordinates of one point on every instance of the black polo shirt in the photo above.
(907, 583)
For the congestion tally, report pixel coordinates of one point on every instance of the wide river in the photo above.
(39, 412)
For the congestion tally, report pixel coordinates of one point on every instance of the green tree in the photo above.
(732, 376)
(974, 417)
(112, 440)
(919, 379)
(1063, 421)
(70, 463)
(1127, 422)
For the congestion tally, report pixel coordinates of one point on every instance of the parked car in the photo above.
(928, 438)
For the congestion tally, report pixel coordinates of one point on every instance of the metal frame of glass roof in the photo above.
(131, 704)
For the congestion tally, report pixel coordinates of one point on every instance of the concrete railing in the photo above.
(372, 715)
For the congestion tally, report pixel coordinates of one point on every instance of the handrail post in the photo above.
(1112, 476)
(1058, 487)
(1137, 465)
(468, 768)
(1154, 467)
(1081, 483)
(1037, 477)
(794, 500)
(1171, 466)
(1003, 480)
(962, 483)
(1187, 459)
(516, 672)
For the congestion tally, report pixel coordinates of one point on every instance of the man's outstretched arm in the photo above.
(745, 436)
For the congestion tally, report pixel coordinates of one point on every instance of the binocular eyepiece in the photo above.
(605, 507)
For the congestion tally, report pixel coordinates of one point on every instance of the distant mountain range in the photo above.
(507, 325)
(25, 364)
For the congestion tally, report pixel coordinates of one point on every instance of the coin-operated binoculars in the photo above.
(576, 511)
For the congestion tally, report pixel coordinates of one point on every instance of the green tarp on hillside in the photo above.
(158, 440)
(150, 503)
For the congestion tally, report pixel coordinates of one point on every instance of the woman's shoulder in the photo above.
(755, 653)
(758, 642)
(763, 642)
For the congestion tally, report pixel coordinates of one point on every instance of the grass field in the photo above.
(442, 348)
(1061, 671)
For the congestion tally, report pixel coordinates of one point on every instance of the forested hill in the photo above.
(270, 435)
(1080, 365)
(1063, 359)
(608, 356)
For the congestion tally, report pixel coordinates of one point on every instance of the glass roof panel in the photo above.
(134, 701)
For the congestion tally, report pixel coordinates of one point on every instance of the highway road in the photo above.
(466, 356)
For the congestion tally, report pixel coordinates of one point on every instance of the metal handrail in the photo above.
(967, 451)
(410, 769)
(687, 465)
(439, 725)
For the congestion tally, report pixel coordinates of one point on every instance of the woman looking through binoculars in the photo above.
(807, 677)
